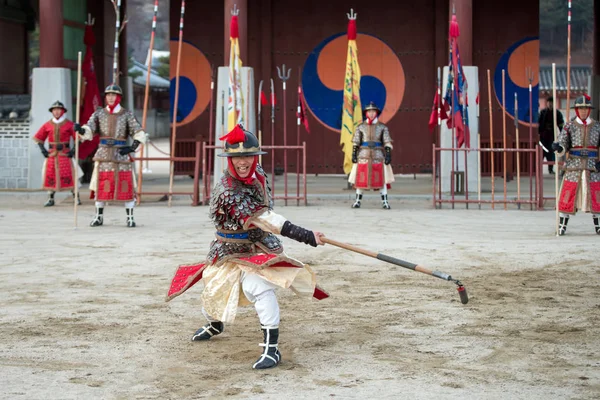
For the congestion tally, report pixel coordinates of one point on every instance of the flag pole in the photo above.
(568, 111)
(439, 107)
(298, 142)
(259, 120)
(529, 74)
(146, 97)
(174, 122)
(489, 80)
(210, 129)
(555, 127)
(273, 135)
(284, 76)
(504, 132)
(77, 113)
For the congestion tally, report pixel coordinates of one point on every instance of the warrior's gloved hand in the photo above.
(557, 147)
(388, 155)
(129, 149)
(43, 150)
(71, 153)
(78, 128)
(255, 234)
(297, 233)
(354, 154)
(597, 166)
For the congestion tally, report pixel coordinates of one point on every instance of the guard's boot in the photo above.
(78, 199)
(270, 356)
(130, 221)
(597, 225)
(384, 202)
(551, 169)
(98, 218)
(50, 201)
(562, 225)
(207, 331)
(357, 201)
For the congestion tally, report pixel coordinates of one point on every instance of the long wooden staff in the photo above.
(568, 114)
(504, 131)
(464, 298)
(491, 133)
(77, 112)
(146, 96)
(555, 126)
(174, 133)
(518, 154)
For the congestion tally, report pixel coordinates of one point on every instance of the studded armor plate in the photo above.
(372, 134)
(573, 137)
(231, 205)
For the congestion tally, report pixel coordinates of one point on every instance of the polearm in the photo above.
(174, 132)
(529, 74)
(146, 97)
(568, 114)
(555, 127)
(77, 113)
(489, 80)
(258, 119)
(118, 30)
(518, 154)
(504, 132)
(273, 136)
(210, 129)
(298, 141)
(284, 77)
(439, 113)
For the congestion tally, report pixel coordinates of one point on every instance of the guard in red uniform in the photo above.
(58, 173)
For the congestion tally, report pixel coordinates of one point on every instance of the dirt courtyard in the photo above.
(84, 317)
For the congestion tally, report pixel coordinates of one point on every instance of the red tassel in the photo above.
(587, 97)
(234, 31)
(454, 31)
(263, 98)
(236, 135)
(352, 29)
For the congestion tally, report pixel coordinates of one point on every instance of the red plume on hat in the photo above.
(236, 135)
(587, 97)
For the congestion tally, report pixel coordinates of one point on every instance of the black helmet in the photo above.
(57, 104)
(372, 106)
(113, 88)
(583, 102)
(240, 142)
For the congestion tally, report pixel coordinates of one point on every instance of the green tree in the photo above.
(163, 68)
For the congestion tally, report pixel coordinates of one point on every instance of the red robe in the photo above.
(58, 173)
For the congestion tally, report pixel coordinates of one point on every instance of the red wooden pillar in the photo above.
(596, 40)
(51, 34)
(464, 16)
(242, 5)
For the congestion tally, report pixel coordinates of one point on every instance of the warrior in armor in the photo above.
(113, 178)
(58, 173)
(246, 261)
(580, 189)
(372, 157)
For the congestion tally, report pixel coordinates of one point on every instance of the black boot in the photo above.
(78, 199)
(207, 331)
(384, 202)
(50, 201)
(357, 201)
(550, 169)
(98, 218)
(597, 225)
(271, 356)
(130, 221)
(562, 225)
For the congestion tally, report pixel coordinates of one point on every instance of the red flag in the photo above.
(434, 112)
(263, 98)
(301, 114)
(91, 94)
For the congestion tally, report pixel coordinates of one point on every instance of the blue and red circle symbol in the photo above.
(521, 59)
(194, 82)
(382, 78)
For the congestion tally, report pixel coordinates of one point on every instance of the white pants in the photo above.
(382, 191)
(262, 294)
(569, 215)
(129, 204)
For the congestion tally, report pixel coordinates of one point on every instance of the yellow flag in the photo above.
(352, 112)
(235, 101)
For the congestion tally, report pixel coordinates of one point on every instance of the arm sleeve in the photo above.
(41, 134)
(135, 129)
(268, 221)
(386, 138)
(357, 137)
(564, 139)
(91, 127)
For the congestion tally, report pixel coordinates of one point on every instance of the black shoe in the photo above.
(562, 225)
(384, 202)
(270, 357)
(130, 221)
(98, 218)
(49, 202)
(208, 331)
(357, 201)
(597, 225)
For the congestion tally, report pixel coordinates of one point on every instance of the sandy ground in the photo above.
(83, 312)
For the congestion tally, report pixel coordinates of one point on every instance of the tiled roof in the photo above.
(14, 106)
(579, 78)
